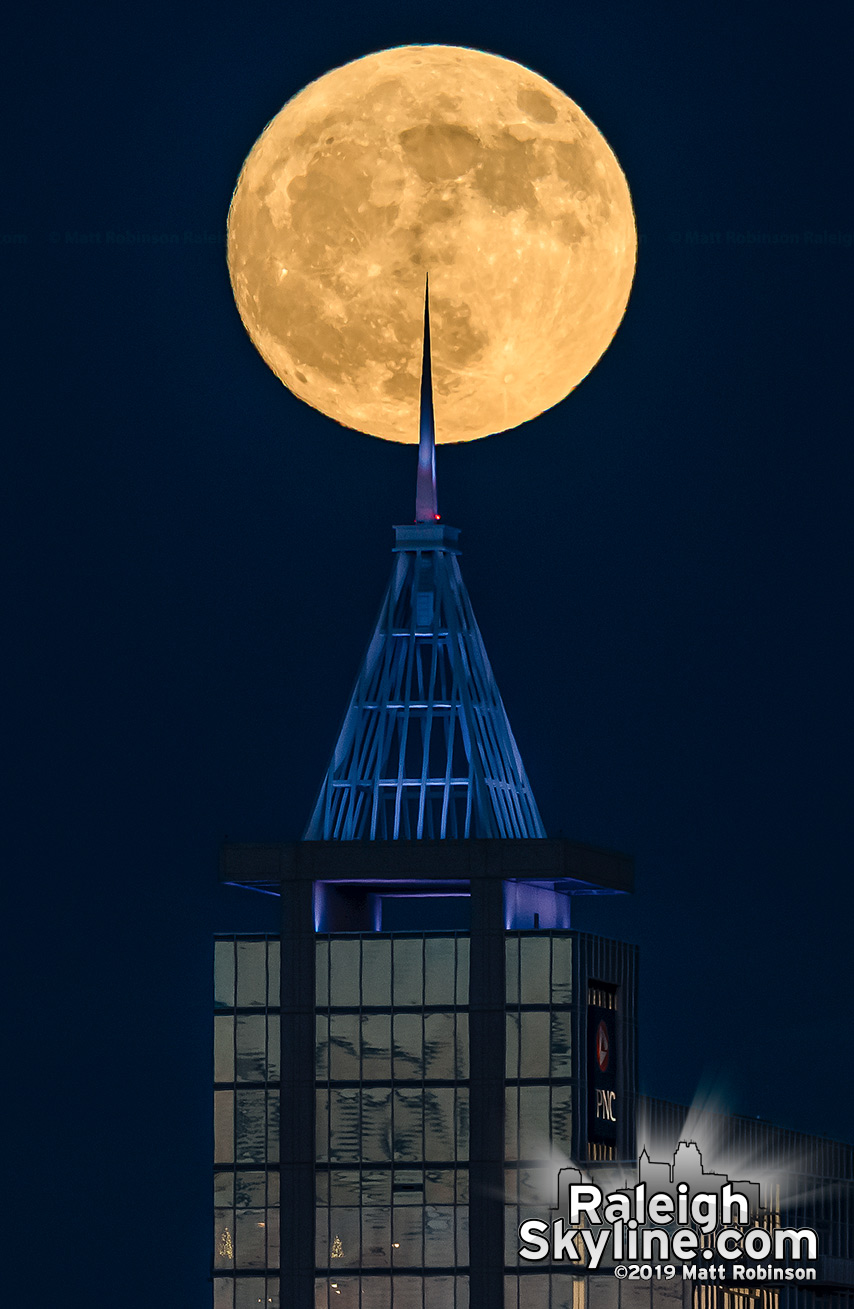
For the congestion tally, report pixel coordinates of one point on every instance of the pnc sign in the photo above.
(602, 1096)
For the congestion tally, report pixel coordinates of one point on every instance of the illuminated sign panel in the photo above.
(603, 1107)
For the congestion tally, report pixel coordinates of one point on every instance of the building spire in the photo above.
(426, 508)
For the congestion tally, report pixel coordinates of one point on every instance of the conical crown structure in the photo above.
(425, 749)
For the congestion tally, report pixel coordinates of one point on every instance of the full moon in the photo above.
(440, 162)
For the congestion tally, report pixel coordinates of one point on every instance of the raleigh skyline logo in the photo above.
(676, 1218)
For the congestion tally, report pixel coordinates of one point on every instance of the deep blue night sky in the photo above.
(661, 568)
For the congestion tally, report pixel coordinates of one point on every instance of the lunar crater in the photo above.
(436, 160)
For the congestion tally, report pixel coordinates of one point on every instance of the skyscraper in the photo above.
(392, 1100)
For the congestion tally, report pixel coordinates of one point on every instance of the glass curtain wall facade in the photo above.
(247, 1071)
(392, 1122)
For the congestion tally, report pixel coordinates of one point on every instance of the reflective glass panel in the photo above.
(224, 1048)
(376, 973)
(321, 977)
(439, 1045)
(534, 1060)
(252, 974)
(376, 1047)
(561, 1043)
(462, 970)
(512, 1045)
(224, 1127)
(344, 1124)
(376, 1293)
(561, 970)
(407, 955)
(250, 1126)
(321, 1122)
(344, 1047)
(345, 1245)
(344, 973)
(533, 1121)
(274, 953)
(562, 1117)
(439, 1235)
(224, 974)
(407, 1125)
(407, 1046)
(439, 970)
(439, 1123)
(250, 1247)
(251, 1053)
(511, 963)
(376, 1236)
(223, 1292)
(407, 1236)
(535, 969)
(250, 1191)
(376, 1123)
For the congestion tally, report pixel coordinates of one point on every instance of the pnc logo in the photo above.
(606, 1105)
(603, 1047)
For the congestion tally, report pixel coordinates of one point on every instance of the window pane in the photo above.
(321, 1046)
(344, 1124)
(376, 1186)
(274, 1031)
(249, 1292)
(462, 1118)
(343, 1046)
(407, 971)
(250, 1247)
(252, 974)
(224, 1048)
(439, 1123)
(251, 1056)
(250, 1191)
(376, 1046)
(407, 1046)
(224, 974)
(462, 1049)
(250, 1127)
(274, 953)
(407, 1238)
(376, 1293)
(344, 973)
(462, 970)
(535, 969)
(562, 1117)
(376, 1123)
(511, 1122)
(512, 1047)
(439, 1236)
(321, 977)
(561, 1043)
(223, 1292)
(534, 1061)
(321, 1112)
(344, 1186)
(561, 970)
(439, 968)
(344, 1249)
(511, 962)
(439, 1186)
(439, 1046)
(533, 1121)
(223, 1127)
(407, 1125)
(376, 1236)
(376, 973)
(223, 1238)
